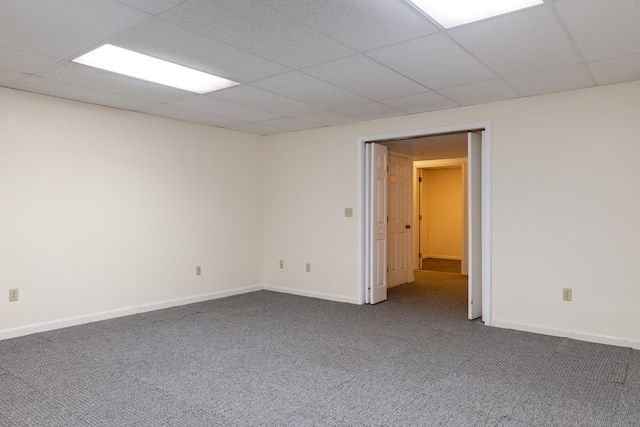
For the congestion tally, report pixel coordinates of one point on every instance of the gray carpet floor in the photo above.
(269, 359)
(442, 265)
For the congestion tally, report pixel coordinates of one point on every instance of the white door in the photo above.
(399, 223)
(474, 222)
(376, 165)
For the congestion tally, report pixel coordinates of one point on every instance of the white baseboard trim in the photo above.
(105, 315)
(319, 295)
(577, 335)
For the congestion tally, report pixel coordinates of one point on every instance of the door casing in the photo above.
(486, 202)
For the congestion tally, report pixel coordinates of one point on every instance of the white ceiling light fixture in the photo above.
(144, 67)
(451, 13)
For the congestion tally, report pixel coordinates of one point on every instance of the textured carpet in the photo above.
(442, 265)
(269, 359)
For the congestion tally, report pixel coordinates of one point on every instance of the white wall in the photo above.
(564, 175)
(442, 213)
(104, 211)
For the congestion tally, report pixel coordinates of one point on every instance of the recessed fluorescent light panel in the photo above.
(450, 13)
(134, 64)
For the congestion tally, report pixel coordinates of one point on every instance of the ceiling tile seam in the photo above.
(221, 115)
(423, 14)
(48, 67)
(263, 123)
(149, 13)
(324, 111)
(495, 73)
(80, 83)
(356, 93)
(268, 91)
(429, 89)
(329, 36)
(572, 41)
(92, 102)
(111, 37)
(199, 34)
(213, 116)
(254, 53)
(456, 104)
(315, 78)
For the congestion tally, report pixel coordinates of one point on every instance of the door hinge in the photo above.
(387, 269)
(420, 255)
(419, 179)
(420, 217)
(387, 168)
(387, 218)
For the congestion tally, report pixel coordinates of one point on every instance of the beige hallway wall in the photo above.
(442, 213)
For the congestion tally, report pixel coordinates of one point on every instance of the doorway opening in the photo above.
(440, 210)
(375, 176)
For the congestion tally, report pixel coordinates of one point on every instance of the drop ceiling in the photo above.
(305, 64)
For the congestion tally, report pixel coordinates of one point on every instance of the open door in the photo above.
(474, 222)
(376, 218)
(399, 220)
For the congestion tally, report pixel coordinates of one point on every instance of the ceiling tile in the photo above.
(106, 81)
(618, 70)
(179, 113)
(310, 90)
(603, 29)
(154, 7)
(480, 93)
(435, 61)
(421, 102)
(173, 43)
(257, 128)
(365, 77)
(259, 99)
(328, 118)
(256, 28)
(550, 81)
(371, 111)
(289, 124)
(25, 62)
(10, 78)
(361, 25)
(526, 41)
(209, 105)
(305, 64)
(79, 93)
(63, 29)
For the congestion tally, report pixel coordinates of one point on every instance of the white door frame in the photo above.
(486, 202)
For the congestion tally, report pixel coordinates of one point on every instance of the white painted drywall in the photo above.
(442, 213)
(106, 211)
(564, 175)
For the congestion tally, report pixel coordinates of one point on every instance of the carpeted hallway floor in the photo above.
(442, 265)
(269, 359)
